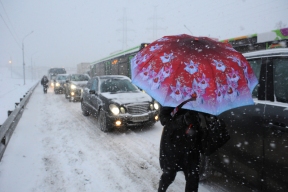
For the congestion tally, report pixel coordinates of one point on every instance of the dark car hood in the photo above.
(129, 97)
(80, 83)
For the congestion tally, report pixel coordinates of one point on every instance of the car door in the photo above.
(94, 101)
(275, 174)
(86, 94)
(242, 156)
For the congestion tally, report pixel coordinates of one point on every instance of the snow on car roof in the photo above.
(267, 53)
(113, 76)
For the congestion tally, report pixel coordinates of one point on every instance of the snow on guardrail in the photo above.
(8, 127)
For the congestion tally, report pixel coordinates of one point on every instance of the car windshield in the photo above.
(62, 77)
(117, 85)
(79, 78)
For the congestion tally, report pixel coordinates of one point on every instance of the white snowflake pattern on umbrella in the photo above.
(138, 59)
(191, 67)
(195, 92)
(167, 57)
(155, 47)
(177, 91)
(219, 65)
(146, 73)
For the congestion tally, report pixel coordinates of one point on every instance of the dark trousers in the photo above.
(191, 172)
(192, 181)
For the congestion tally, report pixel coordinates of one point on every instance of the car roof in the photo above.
(113, 76)
(267, 53)
(78, 74)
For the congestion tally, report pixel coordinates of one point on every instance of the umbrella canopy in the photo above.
(174, 69)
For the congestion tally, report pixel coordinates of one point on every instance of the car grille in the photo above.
(78, 92)
(137, 109)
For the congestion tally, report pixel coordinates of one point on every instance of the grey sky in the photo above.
(68, 32)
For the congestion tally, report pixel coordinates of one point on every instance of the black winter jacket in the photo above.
(180, 144)
(44, 81)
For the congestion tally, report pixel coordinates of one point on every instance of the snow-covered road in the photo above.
(55, 148)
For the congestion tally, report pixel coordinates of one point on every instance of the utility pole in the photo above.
(124, 43)
(125, 30)
(155, 27)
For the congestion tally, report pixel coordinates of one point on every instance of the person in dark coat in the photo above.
(44, 83)
(182, 140)
(44, 80)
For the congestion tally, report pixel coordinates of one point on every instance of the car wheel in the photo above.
(84, 110)
(102, 122)
(205, 170)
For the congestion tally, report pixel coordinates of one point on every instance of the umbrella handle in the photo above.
(176, 109)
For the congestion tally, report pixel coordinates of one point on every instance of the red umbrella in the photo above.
(174, 69)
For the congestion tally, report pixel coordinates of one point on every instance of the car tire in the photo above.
(102, 122)
(84, 110)
(205, 170)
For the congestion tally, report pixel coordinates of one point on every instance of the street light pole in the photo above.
(23, 55)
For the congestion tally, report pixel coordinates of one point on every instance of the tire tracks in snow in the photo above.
(116, 156)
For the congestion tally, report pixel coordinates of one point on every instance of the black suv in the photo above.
(118, 103)
(74, 86)
(257, 153)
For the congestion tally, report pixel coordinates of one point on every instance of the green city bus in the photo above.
(260, 41)
(116, 64)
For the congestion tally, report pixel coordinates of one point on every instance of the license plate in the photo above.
(140, 118)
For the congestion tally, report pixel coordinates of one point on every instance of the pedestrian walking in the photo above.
(44, 83)
(212, 76)
(183, 140)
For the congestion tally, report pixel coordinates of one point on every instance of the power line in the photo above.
(10, 21)
(155, 27)
(10, 32)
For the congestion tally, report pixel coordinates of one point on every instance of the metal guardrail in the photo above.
(8, 127)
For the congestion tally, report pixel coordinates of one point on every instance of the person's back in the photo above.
(179, 147)
(44, 80)
(184, 136)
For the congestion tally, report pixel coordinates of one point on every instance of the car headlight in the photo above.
(52, 84)
(156, 106)
(114, 109)
(73, 86)
(122, 110)
(57, 84)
